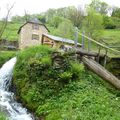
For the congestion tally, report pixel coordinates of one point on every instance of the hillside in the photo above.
(62, 90)
(11, 30)
(110, 37)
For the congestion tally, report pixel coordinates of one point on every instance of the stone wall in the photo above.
(8, 44)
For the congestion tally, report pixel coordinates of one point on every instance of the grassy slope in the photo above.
(109, 36)
(2, 116)
(11, 31)
(86, 97)
(112, 37)
(5, 56)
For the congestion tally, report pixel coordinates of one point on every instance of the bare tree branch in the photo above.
(4, 24)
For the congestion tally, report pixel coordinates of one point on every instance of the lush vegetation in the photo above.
(65, 90)
(5, 56)
(11, 30)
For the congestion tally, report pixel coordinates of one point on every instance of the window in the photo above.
(35, 27)
(35, 37)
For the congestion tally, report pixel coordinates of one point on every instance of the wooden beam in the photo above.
(98, 57)
(83, 34)
(101, 71)
(83, 52)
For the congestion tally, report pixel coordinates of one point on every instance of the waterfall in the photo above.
(14, 110)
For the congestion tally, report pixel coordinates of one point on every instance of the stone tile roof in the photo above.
(33, 21)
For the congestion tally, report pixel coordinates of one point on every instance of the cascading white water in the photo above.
(7, 102)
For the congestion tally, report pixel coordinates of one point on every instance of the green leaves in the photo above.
(65, 77)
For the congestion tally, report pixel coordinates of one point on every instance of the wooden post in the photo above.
(76, 37)
(105, 58)
(76, 41)
(83, 39)
(98, 57)
(89, 44)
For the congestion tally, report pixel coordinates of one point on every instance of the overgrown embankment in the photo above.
(55, 87)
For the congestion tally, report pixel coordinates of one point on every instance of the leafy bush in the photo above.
(108, 23)
(77, 69)
(46, 61)
(65, 77)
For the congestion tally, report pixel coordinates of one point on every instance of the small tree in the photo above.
(100, 7)
(55, 21)
(116, 12)
(93, 23)
(76, 15)
(65, 29)
(108, 22)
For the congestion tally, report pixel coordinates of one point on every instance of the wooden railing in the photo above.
(97, 43)
(99, 48)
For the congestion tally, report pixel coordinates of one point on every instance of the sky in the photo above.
(38, 6)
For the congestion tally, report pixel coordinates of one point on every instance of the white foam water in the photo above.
(14, 110)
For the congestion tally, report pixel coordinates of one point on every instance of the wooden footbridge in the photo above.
(91, 52)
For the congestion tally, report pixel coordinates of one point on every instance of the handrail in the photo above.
(98, 43)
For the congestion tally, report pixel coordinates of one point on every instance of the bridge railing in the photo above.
(95, 46)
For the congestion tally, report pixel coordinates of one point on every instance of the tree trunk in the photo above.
(101, 71)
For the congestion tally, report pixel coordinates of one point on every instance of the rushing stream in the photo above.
(14, 110)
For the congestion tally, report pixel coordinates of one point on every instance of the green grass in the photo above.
(112, 37)
(11, 30)
(2, 116)
(89, 98)
(5, 56)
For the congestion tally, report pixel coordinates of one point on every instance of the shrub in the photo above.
(108, 23)
(76, 69)
(65, 77)
(46, 61)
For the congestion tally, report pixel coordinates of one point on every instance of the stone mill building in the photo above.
(30, 33)
(34, 33)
